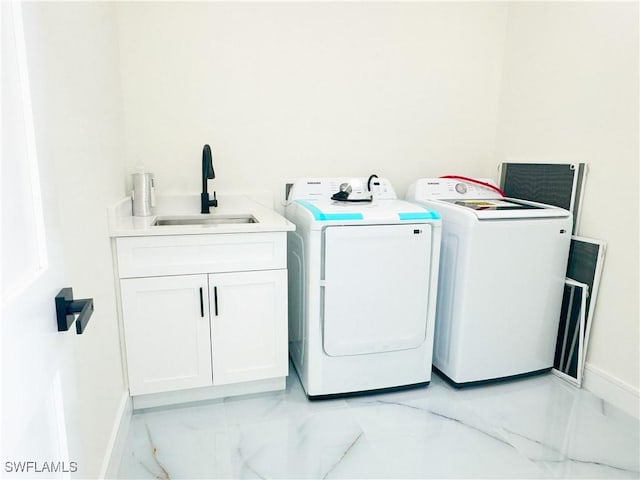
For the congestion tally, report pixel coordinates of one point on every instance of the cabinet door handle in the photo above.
(215, 300)
(201, 304)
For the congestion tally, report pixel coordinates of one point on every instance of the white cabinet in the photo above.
(200, 324)
(167, 333)
(248, 336)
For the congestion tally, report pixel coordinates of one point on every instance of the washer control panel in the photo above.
(450, 189)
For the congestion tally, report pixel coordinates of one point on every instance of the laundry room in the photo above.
(294, 101)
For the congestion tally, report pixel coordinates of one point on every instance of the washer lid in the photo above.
(506, 208)
(378, 211)
(497, 204)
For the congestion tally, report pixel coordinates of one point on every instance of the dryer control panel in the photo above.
(358, 187)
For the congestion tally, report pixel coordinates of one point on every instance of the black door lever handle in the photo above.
(67, 308)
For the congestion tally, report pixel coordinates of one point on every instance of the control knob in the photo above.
(461, 188)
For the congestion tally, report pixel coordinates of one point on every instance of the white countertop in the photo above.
(123, 224)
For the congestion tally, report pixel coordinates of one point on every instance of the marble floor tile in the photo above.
(540, 427)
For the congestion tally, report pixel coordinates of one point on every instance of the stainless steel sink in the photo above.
(204, 220)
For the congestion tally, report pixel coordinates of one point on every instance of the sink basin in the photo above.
(204, 220)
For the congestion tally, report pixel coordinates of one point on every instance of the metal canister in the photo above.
(143, 194)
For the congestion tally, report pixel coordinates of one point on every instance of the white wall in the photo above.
(283, 90)
(570, 93)
(73, 62)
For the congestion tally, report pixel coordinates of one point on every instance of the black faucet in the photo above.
(207, 173)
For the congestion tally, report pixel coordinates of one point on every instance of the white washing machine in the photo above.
(362, 286)
(502, 271)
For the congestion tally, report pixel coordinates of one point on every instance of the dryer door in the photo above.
(375, 288)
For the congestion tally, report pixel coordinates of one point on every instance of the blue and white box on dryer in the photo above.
(363, 270)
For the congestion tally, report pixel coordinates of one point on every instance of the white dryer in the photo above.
(502, 271)
(362, 286)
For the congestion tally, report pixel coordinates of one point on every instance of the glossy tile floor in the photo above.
(539, 427)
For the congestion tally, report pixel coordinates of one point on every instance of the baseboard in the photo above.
(612, 389)
(118, 437)
(208, 393)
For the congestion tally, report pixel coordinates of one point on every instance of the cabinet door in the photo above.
(248, 325)
(167, 333)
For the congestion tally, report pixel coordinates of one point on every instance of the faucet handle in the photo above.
(207, 162)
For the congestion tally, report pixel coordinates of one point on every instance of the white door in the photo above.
(36, 358)
(166, 330)
(376, 288)
(248, 325)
